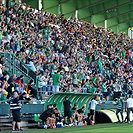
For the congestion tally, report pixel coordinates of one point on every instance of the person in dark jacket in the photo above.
(67, 110)
(30, 90)
(12, 79)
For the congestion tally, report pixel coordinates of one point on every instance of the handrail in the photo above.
(17, 64)
(26, 67)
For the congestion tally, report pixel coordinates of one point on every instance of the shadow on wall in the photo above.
(102, 118)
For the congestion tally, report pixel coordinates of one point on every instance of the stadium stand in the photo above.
(89, 59)
(69, 55)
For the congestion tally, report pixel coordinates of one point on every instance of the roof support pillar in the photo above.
(39, 4)
(76, 14)
(92, 19)
(106, 24)
(118, 29)
(59, 9)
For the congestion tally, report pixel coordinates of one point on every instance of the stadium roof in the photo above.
(118, 13)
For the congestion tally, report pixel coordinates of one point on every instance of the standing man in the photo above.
(15, 108)
(120, 104)
(92, 108)
(67, 109)
(56, 82)
(129, 107)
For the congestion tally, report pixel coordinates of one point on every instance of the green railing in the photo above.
(15, 66)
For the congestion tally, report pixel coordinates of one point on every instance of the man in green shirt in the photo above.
(53, 68)
(56, 82)
(0, 36)
(100, 66)
(75, 78)
(92, 89)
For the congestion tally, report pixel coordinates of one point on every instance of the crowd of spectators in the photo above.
(68, 54)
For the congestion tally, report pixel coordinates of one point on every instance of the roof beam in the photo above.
(117, 16)
(91, 5)
(127, 3)
(96, 3)
(57, 4)
(121, 22)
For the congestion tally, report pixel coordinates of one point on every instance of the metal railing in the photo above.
(15, 66)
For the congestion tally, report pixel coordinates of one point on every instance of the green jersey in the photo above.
(56, 79)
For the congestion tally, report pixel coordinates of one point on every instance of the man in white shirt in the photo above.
(92, 108)
(1, 69)
(129, 106)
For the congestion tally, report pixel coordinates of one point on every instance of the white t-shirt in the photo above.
(130, 103)
(0, 71)
(93, 104)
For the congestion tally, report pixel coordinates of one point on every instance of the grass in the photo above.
(101, 128)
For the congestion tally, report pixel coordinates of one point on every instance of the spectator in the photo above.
(31, 65)
(15, 107)
(4, 77)
(96, 54)
(24, 96)
(19, 89)
(1, 70)
(39, 84)
(30, 90)
(75, 79)
(56, 80)
(44, 83)
(19, 80)
(10, 89)
(4, 96)
(2, 62)
(12, 79)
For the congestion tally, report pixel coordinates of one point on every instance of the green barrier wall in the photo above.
(32, 108)
(26, 109)
(79, 98)
(4, 109)
(104, 114)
